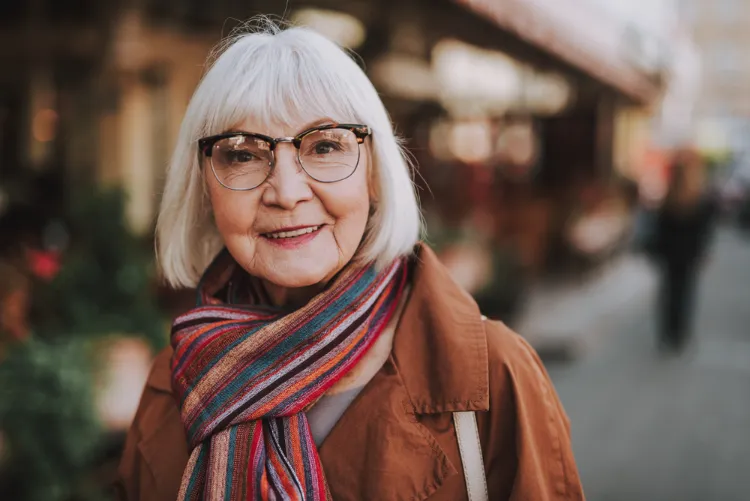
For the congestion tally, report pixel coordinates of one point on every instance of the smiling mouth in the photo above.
(292, 233)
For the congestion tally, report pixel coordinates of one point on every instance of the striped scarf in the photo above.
(245, 372)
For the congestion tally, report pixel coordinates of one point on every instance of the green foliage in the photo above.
(47, 419)
(105, 287)
(105, 284)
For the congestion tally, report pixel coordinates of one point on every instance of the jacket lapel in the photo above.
(440, 347)
(380, 449)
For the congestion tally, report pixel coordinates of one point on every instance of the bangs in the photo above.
(275, 82)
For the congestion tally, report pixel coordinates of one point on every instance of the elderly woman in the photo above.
(329, 354)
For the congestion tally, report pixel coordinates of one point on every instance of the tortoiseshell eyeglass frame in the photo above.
(206, 144)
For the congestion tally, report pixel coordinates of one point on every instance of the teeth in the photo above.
(295, 233)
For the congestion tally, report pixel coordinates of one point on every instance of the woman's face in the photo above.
(259, 226)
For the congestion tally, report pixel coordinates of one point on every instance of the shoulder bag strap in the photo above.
(471, 455)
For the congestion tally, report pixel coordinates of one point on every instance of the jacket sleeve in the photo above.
(526, 433)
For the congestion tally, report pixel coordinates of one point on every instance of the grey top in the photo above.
(327, 411)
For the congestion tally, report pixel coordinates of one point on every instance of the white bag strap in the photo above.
(471, 455)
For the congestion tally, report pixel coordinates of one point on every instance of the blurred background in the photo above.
(551, 139)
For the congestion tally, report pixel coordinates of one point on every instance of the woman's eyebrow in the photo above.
(311, 125)
(317, 123)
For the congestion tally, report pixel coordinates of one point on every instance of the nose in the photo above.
(289, 184)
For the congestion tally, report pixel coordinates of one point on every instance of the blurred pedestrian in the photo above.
(330, 355)
(680, 242)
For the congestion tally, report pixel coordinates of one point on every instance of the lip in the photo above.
(293, 242)
(291, 228)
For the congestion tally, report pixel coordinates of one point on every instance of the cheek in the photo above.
(234, 212)
(349, 204)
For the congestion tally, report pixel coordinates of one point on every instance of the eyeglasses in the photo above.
(242, 161)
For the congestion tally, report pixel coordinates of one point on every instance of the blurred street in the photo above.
(648, 427)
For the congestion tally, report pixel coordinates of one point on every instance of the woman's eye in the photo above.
(240, 156)
(323, 148)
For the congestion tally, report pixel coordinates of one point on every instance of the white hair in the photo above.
(281, 77)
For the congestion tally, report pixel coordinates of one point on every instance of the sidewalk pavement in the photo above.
(562, 321)
(650, 427)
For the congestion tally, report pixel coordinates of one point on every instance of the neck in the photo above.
(291, 297)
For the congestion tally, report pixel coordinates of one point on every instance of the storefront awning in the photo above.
(576, 34)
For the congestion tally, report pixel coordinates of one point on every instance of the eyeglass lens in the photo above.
(244, 162)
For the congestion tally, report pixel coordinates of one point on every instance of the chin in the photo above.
(308, 265)
(300, 271)
(294, 278)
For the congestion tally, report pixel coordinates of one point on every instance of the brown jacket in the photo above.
(397, 441)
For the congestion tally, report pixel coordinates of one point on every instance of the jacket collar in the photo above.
(160, 377)
(440, 347)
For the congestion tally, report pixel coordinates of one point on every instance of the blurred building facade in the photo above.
(519, 113)
(723, 109)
